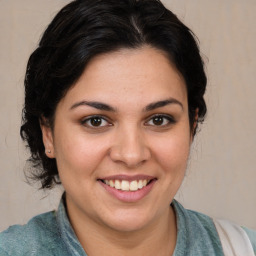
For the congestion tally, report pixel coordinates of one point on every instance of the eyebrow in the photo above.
(106, 107)
(162, 103)
(94, 104)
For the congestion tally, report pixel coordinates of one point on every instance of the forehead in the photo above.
(129, 76)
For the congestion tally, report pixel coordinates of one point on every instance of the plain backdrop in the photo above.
(221, 177)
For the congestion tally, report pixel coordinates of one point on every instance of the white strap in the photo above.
(234, 239)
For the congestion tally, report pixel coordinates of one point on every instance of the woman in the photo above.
(113, 96)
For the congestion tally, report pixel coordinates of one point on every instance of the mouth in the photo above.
(127, 185)
(128, 189)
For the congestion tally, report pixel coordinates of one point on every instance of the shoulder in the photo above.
(197, 234)
(252, 236)
(203, 233)
(195, 221)
(40, 234)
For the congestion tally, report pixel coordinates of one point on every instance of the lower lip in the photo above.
(129, 196)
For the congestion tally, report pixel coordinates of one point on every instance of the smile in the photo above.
(126, 185)
(128, 188)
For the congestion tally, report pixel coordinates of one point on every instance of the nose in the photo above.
(130, 148)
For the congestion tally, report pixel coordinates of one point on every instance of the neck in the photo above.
(158, 238)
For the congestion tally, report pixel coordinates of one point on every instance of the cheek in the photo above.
(78, 155)
(172, 152)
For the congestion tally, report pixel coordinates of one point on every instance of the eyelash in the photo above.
(167, 120)
(88, 119)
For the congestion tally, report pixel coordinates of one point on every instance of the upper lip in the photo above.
(128, 177)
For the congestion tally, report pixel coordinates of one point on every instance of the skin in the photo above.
(127, 142)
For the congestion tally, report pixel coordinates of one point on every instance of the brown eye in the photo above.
(95, 122)
(158, 120)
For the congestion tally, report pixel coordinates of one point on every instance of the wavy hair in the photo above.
(84, 29)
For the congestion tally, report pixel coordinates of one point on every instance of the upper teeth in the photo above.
(125, 185)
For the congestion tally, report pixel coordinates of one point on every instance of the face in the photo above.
(121, 139)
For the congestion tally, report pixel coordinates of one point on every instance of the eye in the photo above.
(160, 120)
(95, 122)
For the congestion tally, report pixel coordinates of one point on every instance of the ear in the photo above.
(47, 135)
(194, 125)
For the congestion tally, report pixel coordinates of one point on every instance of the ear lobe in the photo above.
(47, 136)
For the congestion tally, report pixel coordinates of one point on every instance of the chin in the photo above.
(128, 226)
(128, 222)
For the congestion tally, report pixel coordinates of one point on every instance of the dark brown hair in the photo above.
(84, 29)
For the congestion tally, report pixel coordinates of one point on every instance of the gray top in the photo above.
(51, 234)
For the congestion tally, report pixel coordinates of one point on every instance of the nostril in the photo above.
(131, 159)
